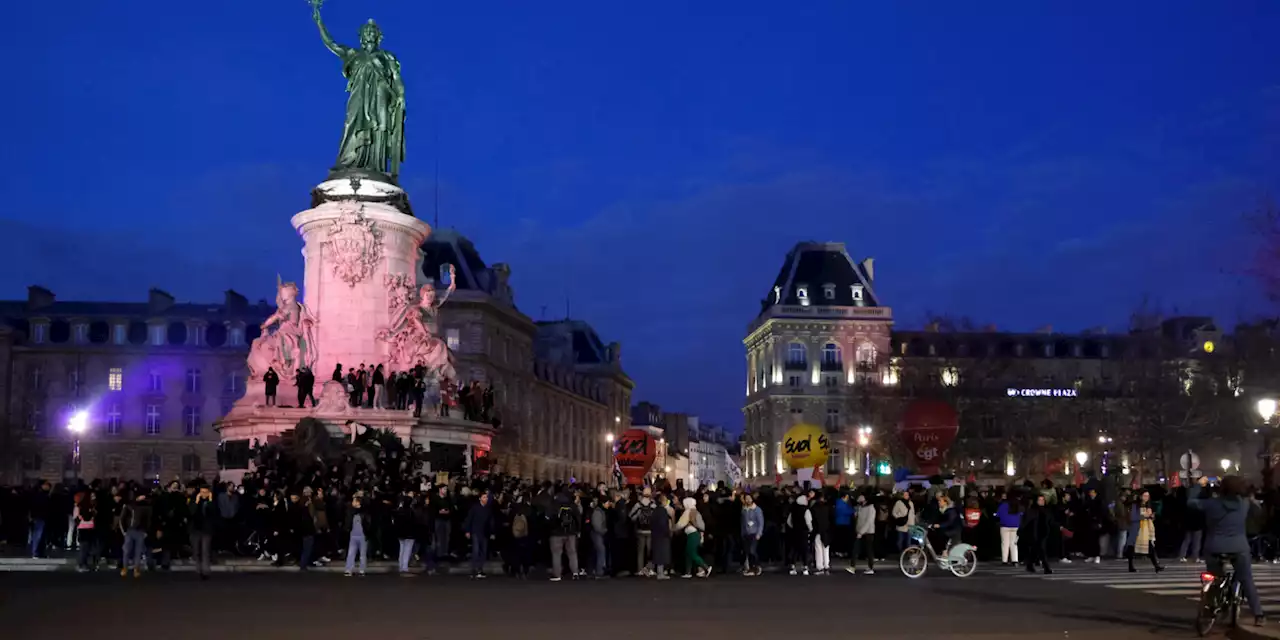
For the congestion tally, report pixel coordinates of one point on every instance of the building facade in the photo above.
(1029, 404)
(821, 337)
(151, 377)
(560, 392)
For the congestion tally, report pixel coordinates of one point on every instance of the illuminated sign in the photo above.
(1208, 346)
(1043, 393)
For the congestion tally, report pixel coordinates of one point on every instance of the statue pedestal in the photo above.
(351, 247)
(362, 252)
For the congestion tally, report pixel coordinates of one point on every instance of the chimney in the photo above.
(158, 301)
(234, 302)
(869, 267)
(39, 297)
(615, 353)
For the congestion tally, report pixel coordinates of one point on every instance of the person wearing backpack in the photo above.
(521, 546)
(566, 523)
(642, 515)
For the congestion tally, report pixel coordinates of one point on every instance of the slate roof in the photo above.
(587, 347)
(814, 266)
(447, 246)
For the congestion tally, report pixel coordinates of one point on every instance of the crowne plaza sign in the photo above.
(1042, 393)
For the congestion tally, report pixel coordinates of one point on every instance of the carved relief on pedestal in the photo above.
(411, 337)
(353, 244)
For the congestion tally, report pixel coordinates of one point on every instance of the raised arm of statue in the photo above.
(339, 50)
(453, 284)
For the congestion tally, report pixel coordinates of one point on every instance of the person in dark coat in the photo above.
(660, 523)
(203, 522)
(1226, 518)
(270, 381)
(478, 527)
(1033, 534)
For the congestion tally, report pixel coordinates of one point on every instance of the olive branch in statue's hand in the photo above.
(315, 4)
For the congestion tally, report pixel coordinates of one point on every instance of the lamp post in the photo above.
(1266, 410)
(77, 424)
(864, 441)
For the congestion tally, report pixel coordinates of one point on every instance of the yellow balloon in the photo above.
(805, 447)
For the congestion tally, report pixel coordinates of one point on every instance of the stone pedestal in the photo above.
(361, 248)
(351, 247)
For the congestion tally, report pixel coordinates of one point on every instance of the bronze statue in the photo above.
(373, 134)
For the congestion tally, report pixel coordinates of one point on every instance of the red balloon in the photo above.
(928, 428)
(634, 452)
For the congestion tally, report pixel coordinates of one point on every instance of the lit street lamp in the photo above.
(1226, 465)
(77, 424)
(608, 437)
(1266, 410)
(1081, 458)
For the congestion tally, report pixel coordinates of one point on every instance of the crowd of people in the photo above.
(288, 511)
(373, 387)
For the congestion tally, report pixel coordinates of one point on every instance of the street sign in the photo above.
(1189, 460)
(1194, 474)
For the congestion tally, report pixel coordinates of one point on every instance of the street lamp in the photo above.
(1266, 410)
(1081, 458)
(608, 437)
(1226, 465)
(77, 424)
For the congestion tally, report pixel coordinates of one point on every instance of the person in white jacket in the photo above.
(692, 524)
(904, 517)
(864, 532)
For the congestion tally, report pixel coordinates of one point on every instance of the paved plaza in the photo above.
(994, 604)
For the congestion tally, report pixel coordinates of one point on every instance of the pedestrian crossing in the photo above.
(1181, 580)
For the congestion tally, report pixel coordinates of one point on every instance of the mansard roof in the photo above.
(821, 273)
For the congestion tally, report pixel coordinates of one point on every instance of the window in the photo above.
(829, 291)
(834, 466)
(794, 381)
(112, 423)
(157, 335)
(151, 466)
(191, 421)
(235, 385)
(153, 420)
(32, 462)
(797, 356)
(35, 377)
(831, 356)
(39, 333)
(452, 338)
(82, 333)
(190, 464)
(830, 381)
(119, 334)
(236, 338)
(802, 292)
(856, 290)
(832, 421)
(115, 379)
(35, 420)
(866, 354)
(154, 383)
(193, 381)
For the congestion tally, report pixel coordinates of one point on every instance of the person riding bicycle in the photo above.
(947, 527)
(1225, 517)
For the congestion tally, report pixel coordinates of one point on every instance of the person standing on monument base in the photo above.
(376, 391)
(271, 380)
(306, 379)
(337, 373)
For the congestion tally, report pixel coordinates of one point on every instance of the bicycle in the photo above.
(961, 560)
(1218, 595)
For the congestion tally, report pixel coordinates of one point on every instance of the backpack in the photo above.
(644, 517)
(568, 520)
(520, 526)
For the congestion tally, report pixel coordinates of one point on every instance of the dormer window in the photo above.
(802, 292)
(856, 290)
(829, 292)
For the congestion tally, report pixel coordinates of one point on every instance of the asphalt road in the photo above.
(328, 606)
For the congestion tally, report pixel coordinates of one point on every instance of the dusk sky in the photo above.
(1019, 163)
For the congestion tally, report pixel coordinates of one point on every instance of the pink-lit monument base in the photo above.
(365, 301)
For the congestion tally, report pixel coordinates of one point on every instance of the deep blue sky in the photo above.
(1023, 163)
